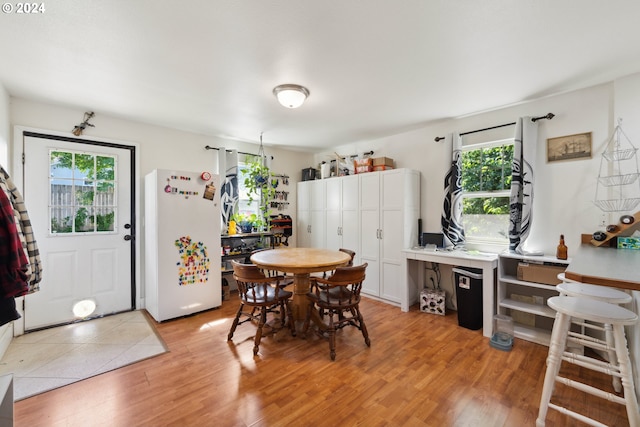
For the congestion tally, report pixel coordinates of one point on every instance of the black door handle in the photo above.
(128, 237)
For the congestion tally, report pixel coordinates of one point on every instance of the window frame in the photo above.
(77, 180)
(506, 192)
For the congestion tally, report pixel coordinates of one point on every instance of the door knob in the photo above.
(127, 226)
(128, 237)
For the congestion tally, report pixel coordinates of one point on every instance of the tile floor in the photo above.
(52, 358)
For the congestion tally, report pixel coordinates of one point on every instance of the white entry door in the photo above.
(78, 194)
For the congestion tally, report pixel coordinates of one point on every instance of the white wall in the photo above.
(158, 147)
(564, 191)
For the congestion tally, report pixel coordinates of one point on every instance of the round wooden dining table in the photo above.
(301, 262)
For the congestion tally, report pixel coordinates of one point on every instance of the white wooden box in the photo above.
(432, 301)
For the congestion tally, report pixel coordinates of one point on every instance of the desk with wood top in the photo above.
(300, 262)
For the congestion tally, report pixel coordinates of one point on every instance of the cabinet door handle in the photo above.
(380, 234)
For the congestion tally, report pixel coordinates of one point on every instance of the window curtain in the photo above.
(229, 194)
(522, 182)
(452, 226)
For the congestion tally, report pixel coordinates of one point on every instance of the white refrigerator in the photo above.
(182, 243)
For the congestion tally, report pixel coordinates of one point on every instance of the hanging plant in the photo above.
(258, 182)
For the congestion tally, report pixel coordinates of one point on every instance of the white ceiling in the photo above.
(373, 68)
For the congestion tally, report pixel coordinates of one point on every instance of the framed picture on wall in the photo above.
(570, 147)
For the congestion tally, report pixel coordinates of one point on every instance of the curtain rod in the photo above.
(208, 147)
(548, 116)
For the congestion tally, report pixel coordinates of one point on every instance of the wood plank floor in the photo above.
(421, 370)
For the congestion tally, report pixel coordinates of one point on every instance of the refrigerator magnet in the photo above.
(209, 191)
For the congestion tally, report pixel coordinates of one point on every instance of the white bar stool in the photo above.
(573, 288)
(594, 311)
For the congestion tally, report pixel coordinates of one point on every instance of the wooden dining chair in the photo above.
(338, 297)
(262, 295)
(349, 252)
(284, 281)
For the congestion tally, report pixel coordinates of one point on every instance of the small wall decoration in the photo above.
(209, 191)
(194, 263)
(577, 146)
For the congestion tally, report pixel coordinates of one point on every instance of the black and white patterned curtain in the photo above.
(451, 221)
(522, 180)
(229, 195)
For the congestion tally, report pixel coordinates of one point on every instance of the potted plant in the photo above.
(257, 181)
(243, 222)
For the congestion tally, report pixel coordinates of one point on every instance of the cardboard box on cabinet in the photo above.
(382, 163)
(540, 273)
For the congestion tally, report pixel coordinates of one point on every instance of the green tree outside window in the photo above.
(82, 190)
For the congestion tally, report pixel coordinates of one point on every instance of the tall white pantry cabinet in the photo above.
(342, 213)
(375, 214)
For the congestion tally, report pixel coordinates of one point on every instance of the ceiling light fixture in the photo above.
(290, 95)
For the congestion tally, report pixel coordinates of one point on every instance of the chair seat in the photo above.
(260, 297)
(334, 297)
(602, 293)
(593, 310)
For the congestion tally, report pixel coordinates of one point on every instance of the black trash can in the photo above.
(468, 283)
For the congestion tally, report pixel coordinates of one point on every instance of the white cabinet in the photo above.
(310, 221)
(389, 212)
(374, 214)
(526, 301)
(341, 214)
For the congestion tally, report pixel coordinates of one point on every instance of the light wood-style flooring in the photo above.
(421, 370)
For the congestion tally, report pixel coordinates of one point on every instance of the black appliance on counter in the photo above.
(309, 174)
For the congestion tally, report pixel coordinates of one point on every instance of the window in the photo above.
(82, 192)
(486, 186)
(244, 206)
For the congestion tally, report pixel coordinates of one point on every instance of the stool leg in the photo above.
(554, 359)
(613, 359)
(627, 375)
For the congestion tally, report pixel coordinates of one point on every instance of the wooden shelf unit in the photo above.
(624, 230)
(532, 318)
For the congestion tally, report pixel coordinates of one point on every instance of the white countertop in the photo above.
(606, 266)
(456, 253)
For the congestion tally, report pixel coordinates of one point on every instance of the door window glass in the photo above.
(82, 197)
